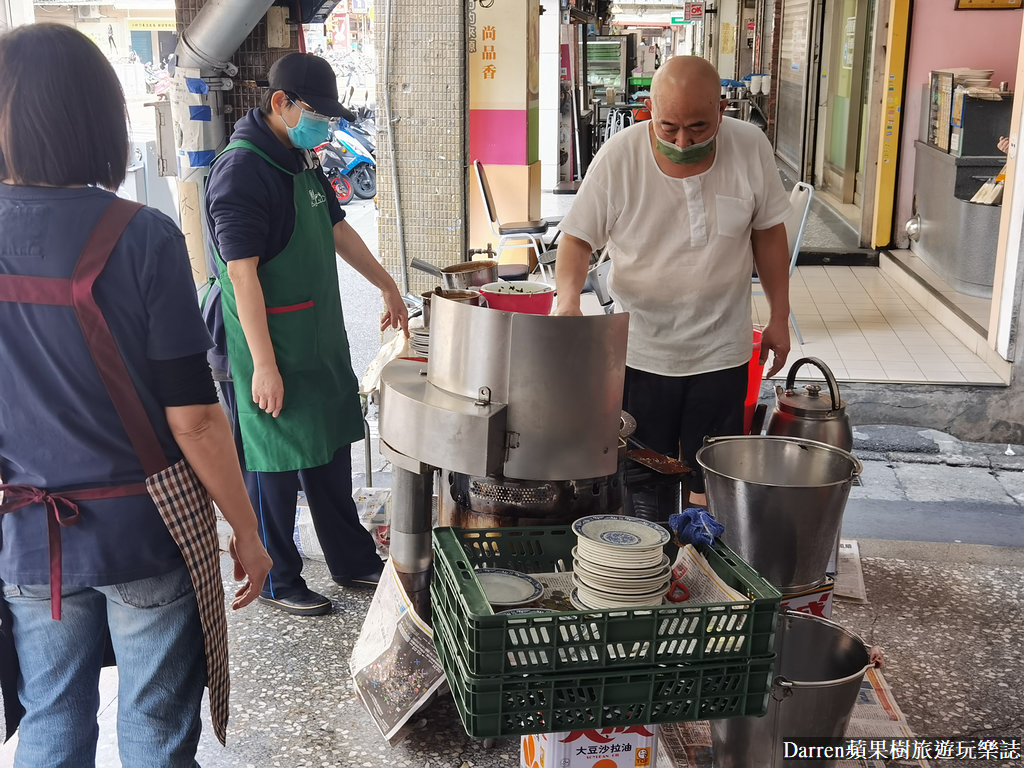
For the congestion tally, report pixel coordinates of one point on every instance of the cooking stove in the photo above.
(520, 413)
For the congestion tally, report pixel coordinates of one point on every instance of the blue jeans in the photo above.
(157, 639)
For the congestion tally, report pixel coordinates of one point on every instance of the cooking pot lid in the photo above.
(811, 401)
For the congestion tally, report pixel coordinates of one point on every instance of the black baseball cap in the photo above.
(311, 79)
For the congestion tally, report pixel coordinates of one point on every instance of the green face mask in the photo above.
(687, 155)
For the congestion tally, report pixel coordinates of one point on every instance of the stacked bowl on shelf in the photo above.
(619, 562)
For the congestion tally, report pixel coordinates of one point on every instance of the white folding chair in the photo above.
(520, 234)
(800, 206)
(597, 283)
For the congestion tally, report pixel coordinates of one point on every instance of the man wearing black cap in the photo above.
(275, 226)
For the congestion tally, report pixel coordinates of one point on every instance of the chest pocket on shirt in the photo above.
(733, 215)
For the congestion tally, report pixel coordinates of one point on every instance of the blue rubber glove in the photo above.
(695, 525)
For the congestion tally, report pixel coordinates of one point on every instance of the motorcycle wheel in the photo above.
(342, 188)
(364, 182)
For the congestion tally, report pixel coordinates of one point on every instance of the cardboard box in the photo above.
(633, 747)
(816, 602)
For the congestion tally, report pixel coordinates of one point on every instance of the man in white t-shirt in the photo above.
(685, 205)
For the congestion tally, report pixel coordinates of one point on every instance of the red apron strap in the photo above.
(35, 290)
(17, 496)
(100, 340)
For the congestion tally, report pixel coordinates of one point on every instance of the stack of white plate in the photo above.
(619, 562)
(419, 341)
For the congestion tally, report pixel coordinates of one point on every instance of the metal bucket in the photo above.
(781, 500)
(818, 672)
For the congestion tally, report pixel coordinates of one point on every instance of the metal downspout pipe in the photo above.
(216, 32)
(197, 105)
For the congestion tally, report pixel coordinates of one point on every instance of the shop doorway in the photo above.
(167, 41)
(823, 112)
(844, 85)
(142, 44)
(799, 56)
(745, 47)
(686, 38)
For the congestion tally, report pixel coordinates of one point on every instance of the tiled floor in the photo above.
(866, 328)
(864, 323)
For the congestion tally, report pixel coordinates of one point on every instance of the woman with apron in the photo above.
(111, 439)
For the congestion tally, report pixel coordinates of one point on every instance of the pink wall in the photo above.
(940, 38)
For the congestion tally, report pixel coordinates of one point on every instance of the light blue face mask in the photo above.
(311, 130)
(686, 155)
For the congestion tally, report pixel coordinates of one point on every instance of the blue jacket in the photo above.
(250, 212)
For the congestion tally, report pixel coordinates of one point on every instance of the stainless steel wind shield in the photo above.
(547, 389)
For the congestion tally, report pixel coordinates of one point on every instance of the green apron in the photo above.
(321, 411)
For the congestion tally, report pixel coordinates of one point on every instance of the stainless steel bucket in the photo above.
(781, 500)
(818, 672)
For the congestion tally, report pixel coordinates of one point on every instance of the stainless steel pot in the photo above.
(470, 274)
(461, 295)
(426, 296)
(807, 414)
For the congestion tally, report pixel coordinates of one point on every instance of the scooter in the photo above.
(334, 165)
(355, 146)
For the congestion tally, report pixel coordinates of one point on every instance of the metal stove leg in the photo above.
(367, 453)
(411, 551)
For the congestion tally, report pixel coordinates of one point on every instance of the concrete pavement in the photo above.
(941, 529)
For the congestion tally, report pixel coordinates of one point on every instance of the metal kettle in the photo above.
(809, 415)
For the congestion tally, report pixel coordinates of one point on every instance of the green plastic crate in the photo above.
(606, 639)
(516, 705)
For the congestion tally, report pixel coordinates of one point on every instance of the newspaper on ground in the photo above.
(685, 745)
(850, 574)
(395, 668)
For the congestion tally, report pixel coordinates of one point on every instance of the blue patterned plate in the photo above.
(621, 532)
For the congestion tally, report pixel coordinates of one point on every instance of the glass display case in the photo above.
(607, 64)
